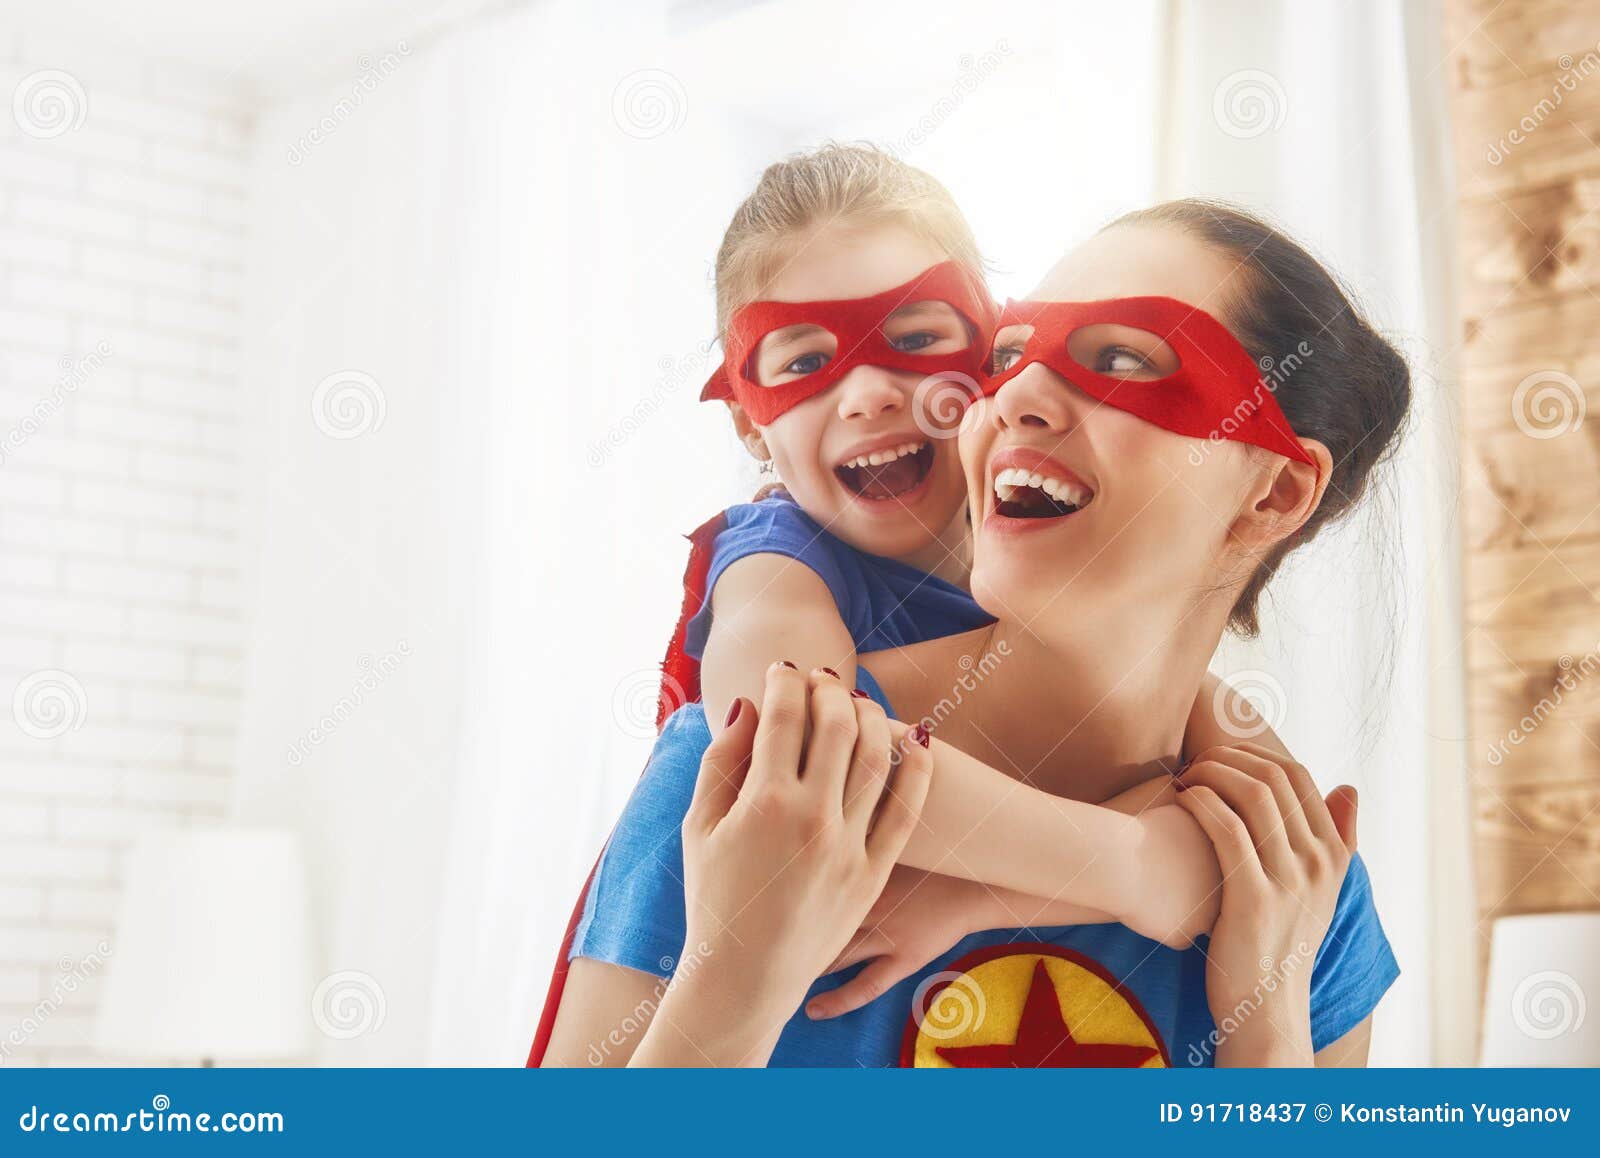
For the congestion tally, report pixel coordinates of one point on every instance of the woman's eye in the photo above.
(1004, 358)
(1121, 360)
(911, 343)
(806, 364)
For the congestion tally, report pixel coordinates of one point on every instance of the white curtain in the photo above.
(1330, 117)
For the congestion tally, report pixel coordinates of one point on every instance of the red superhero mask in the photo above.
(1216, 390)
(856, 325)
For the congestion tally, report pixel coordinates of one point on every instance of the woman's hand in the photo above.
(799, 814)
(1283, 852)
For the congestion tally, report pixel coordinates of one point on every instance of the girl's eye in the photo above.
(1121, 361)
(911, 343)
(1004, 358)
(806, 364)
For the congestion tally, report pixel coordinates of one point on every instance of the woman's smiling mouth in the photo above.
(1030, 485)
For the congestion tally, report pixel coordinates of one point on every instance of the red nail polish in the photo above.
(788, 665)
(831, 672)
(1180, 788)
(733, 713)
(920, 735)
(859, 694)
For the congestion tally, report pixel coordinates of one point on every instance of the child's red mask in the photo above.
(857, 327)
(1217, 390)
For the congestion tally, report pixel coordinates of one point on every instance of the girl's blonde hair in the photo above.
(851, 184)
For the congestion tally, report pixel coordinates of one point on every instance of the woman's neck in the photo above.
(1086, 716)
(950, 555)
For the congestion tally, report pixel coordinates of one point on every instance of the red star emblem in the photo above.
(1044, 1041)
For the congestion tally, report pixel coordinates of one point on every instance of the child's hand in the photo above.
(916, 919)
(1283, 852)
(799, 814)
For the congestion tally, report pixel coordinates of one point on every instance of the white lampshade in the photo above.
(1543, 970)
(212, 957)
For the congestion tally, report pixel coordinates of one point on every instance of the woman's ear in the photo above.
(1281, 500)
(749, 433)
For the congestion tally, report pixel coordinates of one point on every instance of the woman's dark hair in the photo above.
(1337, 380)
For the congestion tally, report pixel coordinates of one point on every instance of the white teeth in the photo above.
(1010, 480)
(879, 457)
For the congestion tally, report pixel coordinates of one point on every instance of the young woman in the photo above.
(1111, 586)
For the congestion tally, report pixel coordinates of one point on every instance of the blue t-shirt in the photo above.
(1114, 980)
(883, 603)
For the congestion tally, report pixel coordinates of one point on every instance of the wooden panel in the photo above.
(1526, 105)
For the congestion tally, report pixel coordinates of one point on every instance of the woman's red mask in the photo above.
(1215, 391)
(857, 326)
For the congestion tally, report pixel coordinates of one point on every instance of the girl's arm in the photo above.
(767, 608)
(1069, 857)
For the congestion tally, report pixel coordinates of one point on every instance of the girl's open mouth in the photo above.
(1020, 494)
(889, 473)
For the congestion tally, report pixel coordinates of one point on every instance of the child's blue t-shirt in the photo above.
(1110, 979)
(882, 602)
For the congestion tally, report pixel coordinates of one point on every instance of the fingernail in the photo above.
(1181, 788)
(831, 672)
(859, 694)
(813, 1008)
(920, 735)
(788, 665)
(733, 713)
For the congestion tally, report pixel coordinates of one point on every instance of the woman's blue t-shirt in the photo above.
(634, 916)
(882, 602)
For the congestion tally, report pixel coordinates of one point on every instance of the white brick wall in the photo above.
(121, 247)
